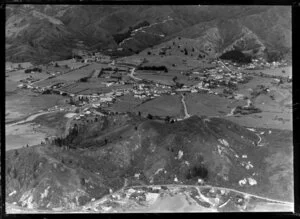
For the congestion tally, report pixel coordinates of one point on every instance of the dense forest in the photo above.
(236, 56)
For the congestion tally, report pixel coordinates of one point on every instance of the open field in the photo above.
(93, 86)
(35, 131)
(265, 120)
(25, 102)
(173, 62)
(165, 77)
(210, 105)
(126, 103)
(281, 71)
(165, 105)
(13, 78)
(80, 73)
(21, 135)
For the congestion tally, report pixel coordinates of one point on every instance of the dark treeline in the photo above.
(35, 69)
(154, 68)
(236, 56)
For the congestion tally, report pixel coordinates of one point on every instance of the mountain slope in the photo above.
(215, 151)
(218, 27)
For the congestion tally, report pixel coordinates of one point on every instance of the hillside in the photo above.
(108, 154)
(41, 33)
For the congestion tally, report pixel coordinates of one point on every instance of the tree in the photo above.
(179, 85)
(174, 79)
(150, 116)
(139, 113)
(185, 51)
(167, 119)
(82, 181)
(56, 64)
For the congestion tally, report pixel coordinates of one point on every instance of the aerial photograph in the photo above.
(148, 108)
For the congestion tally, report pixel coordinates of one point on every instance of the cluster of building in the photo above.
(150, 91)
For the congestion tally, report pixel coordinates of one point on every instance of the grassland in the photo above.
(79, 73)
(165, 105)
(126, 103)
(25, 102)
(210, 105)
(281, 71)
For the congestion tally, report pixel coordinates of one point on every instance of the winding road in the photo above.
(186, 114)
(132, 76)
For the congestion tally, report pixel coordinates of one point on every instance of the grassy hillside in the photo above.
(212, 149)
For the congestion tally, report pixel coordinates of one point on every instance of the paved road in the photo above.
(220, 188)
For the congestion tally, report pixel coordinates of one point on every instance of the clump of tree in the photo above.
(185, 51)
(167, 119)
(273, 55)
(84, 79)
(35, 69)
(236, 56)
(247, 110)
(154, 68)
(201, 56)
(149, 116)
(179, 85)
(198, 171)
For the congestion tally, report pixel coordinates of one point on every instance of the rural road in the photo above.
(132, 76)
(225, 66)
(186, 114)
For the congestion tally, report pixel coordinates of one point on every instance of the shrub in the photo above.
(149, 116)
(155, 68)
(197, 172)
(185, 51)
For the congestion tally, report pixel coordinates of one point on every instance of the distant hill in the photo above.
(41, 33)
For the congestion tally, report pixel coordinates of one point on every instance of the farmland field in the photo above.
(91, 87)
(126, 103)
(282, 71)
(165, 105)
(210, 105)
(80, 73)
(264, 120)
(25, 102)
